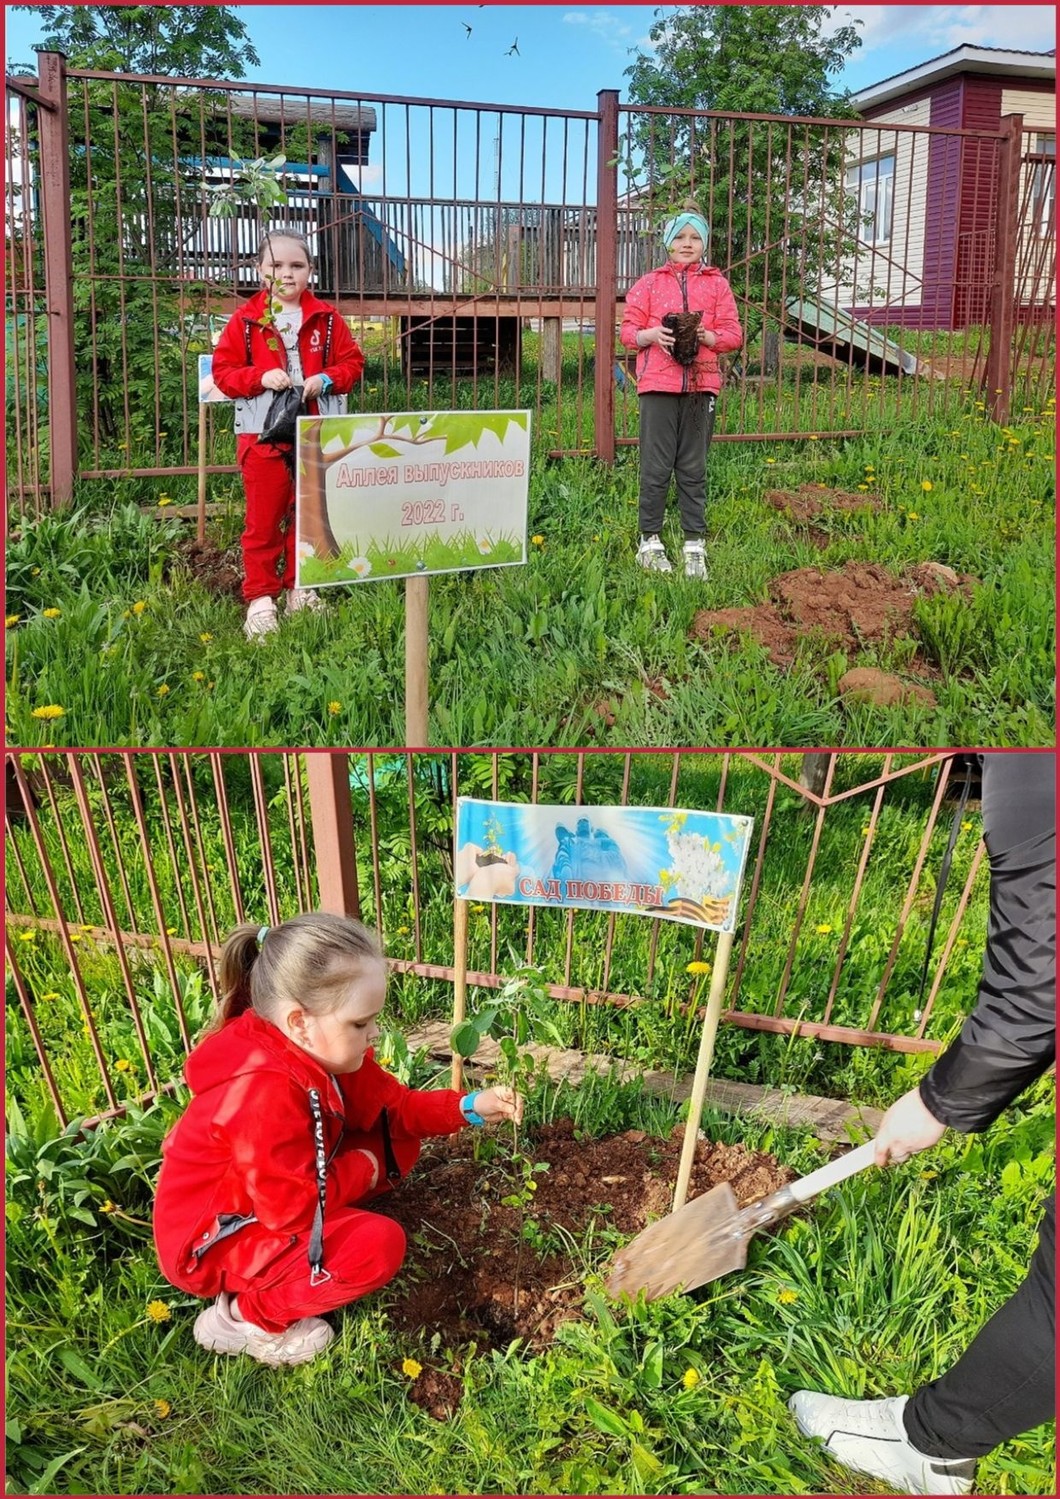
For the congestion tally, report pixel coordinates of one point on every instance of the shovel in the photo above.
(708, 1237)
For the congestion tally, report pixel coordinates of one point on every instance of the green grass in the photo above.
(876, 1290)
(530, 655)
(379, 560)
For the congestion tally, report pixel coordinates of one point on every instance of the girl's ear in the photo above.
(295, 1025)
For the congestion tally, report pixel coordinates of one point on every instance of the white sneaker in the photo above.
(261, 618)
(651, 554)
(220, 1332)
(304, 598)
(869, 1436)
(695, 559)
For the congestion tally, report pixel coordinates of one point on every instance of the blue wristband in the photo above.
(467, 1108)
(326, 383)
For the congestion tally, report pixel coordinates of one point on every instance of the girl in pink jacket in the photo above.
(677, 398)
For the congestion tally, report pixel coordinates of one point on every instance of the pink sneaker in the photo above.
(304, 598)
(220, 1332)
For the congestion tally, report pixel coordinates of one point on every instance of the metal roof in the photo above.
(1007, 62)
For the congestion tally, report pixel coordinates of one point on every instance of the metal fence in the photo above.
(126, 870)
(482, 253)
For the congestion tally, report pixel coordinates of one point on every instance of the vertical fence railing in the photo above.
(482, 253)
(126, 871)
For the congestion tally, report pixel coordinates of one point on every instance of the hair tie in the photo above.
(263, 932)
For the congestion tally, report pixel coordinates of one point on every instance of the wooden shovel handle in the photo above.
(835, 1172)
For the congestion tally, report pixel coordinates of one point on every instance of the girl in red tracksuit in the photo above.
(283, 336)
(676, 400)
(292, 1128)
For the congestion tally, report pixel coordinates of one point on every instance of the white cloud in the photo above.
(932, 29)
(607, 25)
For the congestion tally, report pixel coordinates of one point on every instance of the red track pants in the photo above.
(362, 1251)
(268, 537)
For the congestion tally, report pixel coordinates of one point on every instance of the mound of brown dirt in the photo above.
(810, 501)
(472, 1274)
(862, 604)
(867, 685)
(219, 570)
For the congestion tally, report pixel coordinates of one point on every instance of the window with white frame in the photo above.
(1043, 186)
(872, 184)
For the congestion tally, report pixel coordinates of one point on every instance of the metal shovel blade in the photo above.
(700, 1242)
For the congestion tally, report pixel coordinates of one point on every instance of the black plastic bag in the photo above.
(280, 429)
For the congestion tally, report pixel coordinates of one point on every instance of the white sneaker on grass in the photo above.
(869, 1436)
(695, 558)
(261, 618)
(218, 1330)
(651, 554)
(304, 598)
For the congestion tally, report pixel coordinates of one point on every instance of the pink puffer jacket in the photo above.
(702, 288)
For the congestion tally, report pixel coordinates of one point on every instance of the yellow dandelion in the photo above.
(206, 637)
(537, 541)
(162, 1408)
(478, 908)
(75, 936)
(402, 931)
(912, 515)
(10, 620)
(334, 708)
(823, 929)
(698, 967)
(123, 1064)
(139, 606)
(411, 1368)
(52, 613)
(50, 710)
(164, 501)
(965, 826)
(198, 676)
(927, 486)
(51, 995)
(787, 1296)
(771, 461)
(814, 437)
(158, 1311)
(106, 1207)
(26, 936)
(163, 691)
(690, 1378)
(863, 486)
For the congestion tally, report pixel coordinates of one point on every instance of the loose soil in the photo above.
(220, 571)
(470, 1276)
(811, 501)
(861, 605)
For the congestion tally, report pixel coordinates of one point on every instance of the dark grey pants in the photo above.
(1005, 1382)
(675, 433)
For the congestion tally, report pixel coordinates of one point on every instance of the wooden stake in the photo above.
(200, 532)
(459, 981)
(416, 598)
(718, 979)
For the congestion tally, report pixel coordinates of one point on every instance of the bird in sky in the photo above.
(514, 48)
(466, 27)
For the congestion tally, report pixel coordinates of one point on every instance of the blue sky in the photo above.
(565, 52)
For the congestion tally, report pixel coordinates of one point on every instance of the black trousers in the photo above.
(675, 433)
(1004, 1383)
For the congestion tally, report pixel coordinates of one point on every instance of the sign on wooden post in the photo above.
(404, 495)
(674, 864)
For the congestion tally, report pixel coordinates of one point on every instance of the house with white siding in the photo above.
(926, 204)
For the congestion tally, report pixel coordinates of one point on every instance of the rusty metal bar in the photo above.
(804, 894)
(54, 132)
(217, 767)
(863, 861)
(606, 279)
(951, 937)
(998, 379)
(910, 896)
(26, 1005)
(414, 857)
(261, 810)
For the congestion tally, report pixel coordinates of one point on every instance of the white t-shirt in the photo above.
(288, 325)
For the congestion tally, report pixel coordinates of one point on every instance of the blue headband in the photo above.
(672, 228)
(262, 934)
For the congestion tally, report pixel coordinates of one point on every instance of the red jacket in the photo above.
(244, 1146)
(323, 330)
(701, 288)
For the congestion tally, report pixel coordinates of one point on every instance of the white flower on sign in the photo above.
(485, 545)
(697, 871)
(306, 549)
(361, 566)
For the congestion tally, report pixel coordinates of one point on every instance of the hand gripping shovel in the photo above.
(708, 1237)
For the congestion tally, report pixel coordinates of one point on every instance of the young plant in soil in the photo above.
(519, 1015)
